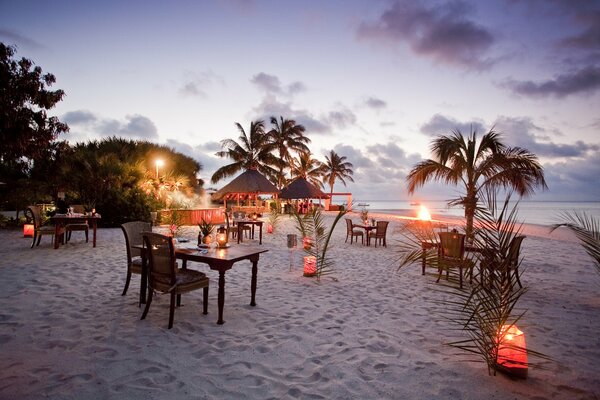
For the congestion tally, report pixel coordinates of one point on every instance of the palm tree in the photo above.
(308, 168)
(253, 151)
(286, 135)
(484, 165)
(336, 168)
(587, 231)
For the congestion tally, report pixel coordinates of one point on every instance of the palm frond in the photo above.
(587, 231)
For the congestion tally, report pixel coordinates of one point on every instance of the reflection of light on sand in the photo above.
(424, 214)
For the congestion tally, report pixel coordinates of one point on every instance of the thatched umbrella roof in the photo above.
(302, 189)
(249, 182)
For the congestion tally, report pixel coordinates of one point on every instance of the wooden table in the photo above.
(220, 260)
(240, 225)
(61, 220)
(368, 229)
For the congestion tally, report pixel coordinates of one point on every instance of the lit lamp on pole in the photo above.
(159, 163)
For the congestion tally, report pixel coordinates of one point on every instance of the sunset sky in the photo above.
(373, 80)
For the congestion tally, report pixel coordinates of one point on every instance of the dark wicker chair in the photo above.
(451, 254)
(133, 236)
(165, 277)
(351, 233)
(39, 229)
(380, 233)
(82, 226)
(246, 229)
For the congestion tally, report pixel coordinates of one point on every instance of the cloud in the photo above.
(590, 37)
(195, 84)
(271, 84)
(10, 37)
(86, 125)
(270, 106)
(443, 32)
(375, 103)
(522, 132)
(78, 117)
(341, 118)
(441, 125)
(585, 80)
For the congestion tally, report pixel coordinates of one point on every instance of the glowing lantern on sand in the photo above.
(424, 214)
(512, 351)
(28, 230)
(307, 243)
(310, 266)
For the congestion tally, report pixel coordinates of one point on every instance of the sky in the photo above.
(373, 80)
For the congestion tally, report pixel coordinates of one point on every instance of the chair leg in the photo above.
(178, 300)
(346, 238)
(460, 276)
(205, 301)
(127, 280)
(148, 302)
(172, 309)
(39, 239)
(87, 236)
(33, 241)
(440, 272)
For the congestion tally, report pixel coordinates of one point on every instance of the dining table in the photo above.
(61, 220)
(218, 259)
(240, 222)
(368, 228)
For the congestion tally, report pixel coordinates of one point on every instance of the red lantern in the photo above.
(310, 266)
(269, 228)
(28, 230)
(307, 243)
(512, 351)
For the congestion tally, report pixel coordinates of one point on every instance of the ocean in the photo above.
(529, 212)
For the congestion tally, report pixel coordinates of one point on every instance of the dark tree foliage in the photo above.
(26, 130)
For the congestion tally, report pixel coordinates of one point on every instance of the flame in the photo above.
(424, 214)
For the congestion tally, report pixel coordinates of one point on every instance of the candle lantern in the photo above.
(254, 216)
(307, 243)
(28, 230)
(310, 266)
(269, 228)
(221, 236)
(512, 351)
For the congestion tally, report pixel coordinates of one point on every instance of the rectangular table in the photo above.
(220, 260)
(61, 220)
(240, 225)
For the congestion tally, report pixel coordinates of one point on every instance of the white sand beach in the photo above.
(372, 333)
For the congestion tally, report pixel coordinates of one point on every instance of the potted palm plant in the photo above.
(206, 229)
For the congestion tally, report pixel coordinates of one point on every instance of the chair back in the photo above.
(348, 225)
(161, 261)
(133, 236)
(36, 216)
(381, 228)
(514, 250)
(452, 245)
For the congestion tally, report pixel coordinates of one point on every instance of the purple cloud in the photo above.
(586, 80)
(270, 106)
(441, 125)
(441, 32)
(375, 103)
(271, 84)
(13, 37)
(78, 117)
(590, 37)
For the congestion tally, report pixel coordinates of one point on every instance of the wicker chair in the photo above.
(379, 234)
(246, 229)
(165, 277)
(351, 233)
(451, 254)
(39, 229)
(511, 266)
(133, 236)
(82, 226)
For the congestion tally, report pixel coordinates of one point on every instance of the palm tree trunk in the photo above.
(470, 205)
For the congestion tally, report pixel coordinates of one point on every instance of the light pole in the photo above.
(159, 163)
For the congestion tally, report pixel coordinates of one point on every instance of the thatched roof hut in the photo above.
(250, 183)
(302, 189)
